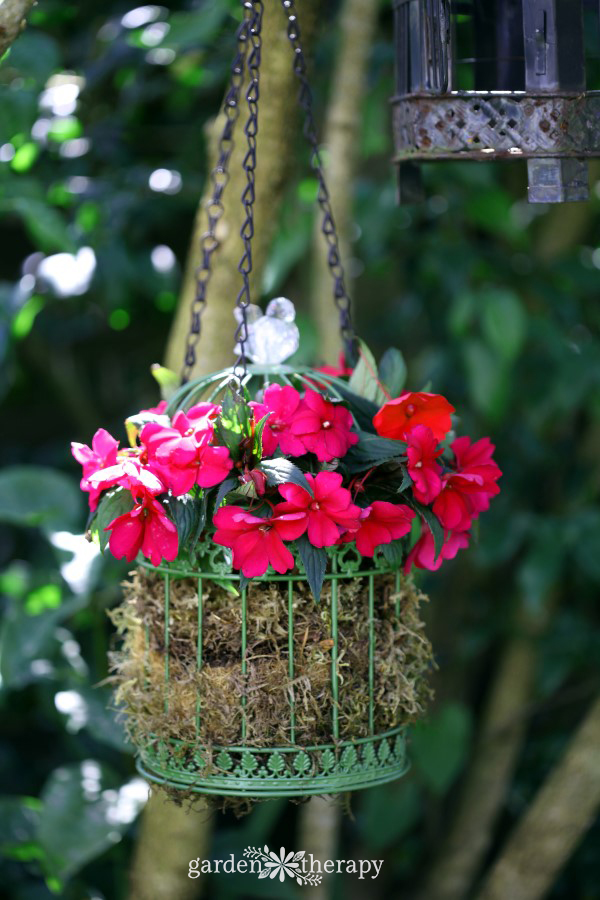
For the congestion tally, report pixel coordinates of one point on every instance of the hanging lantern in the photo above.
(482, 80)
(272, 639)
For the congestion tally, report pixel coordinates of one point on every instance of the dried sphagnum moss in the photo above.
(401, 659)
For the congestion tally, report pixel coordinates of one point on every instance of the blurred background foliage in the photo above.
(102, 162)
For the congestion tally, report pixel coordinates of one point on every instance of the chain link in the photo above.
(209, 242)
(248, 55)
(340, 294)
(249, 165)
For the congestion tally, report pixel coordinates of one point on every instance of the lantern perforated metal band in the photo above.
(293, 769)
(528, 71)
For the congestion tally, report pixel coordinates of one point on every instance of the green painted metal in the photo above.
(167, 617)
(371, 654)
(244, 661)
(277, 771)
(291, 660)
(199, 652)
(335, 698)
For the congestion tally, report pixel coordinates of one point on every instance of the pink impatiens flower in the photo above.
(324, 427)
(341, 370)
(422, 451)
(382, 523)
(147, 528)
(100, 455)
(130, 474)
(282, 403)
(324, 515)
(423, 555)
(257, 543)
(182, 454)
(476, 459)
(467, 490)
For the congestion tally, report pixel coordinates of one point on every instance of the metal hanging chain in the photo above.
(209, 241)
(340, 295)
(249, 165)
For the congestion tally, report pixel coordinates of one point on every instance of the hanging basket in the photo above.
(261, 692)
(272, 646)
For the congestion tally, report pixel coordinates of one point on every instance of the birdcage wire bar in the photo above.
(289, 769)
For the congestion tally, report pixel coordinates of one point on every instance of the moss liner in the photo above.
(402, 658)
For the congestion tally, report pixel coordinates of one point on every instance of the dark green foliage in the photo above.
(492, 302)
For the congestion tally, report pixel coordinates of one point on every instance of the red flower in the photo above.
(467, 490)
(323, 427)
(326, 513)
(100, 455)
(422, 451)
(182, 453)
(382, 523)
(257, 543)
(397, 418)
(423, 556)
(147, 528)
(282, 403)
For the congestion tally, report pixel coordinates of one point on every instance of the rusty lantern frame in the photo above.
(528, 98)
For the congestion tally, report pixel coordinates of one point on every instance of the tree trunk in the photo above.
(488, 777)
(563, 809)
(276, 140)
(319, 819)
(341, 140)
(12, 21)
(318, 833)
(170, 836)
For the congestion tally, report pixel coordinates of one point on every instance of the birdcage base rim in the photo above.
(269, 772)
(307, 788)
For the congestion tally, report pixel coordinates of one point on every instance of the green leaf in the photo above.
(392, 371)
(364, 380)
(83, 814)
(372, 450)
(66, 128)
(393, 553)
(433, 524)
(36, 496)
(406, 481)
(440, 746)
(504, 323)
(92, 709)
(45, 225)
(259, 427)
(112, 504)
(225, 487)
(314, 560)
(185, 512)
(28, 640)
(19, 818)
(389, 812)
(234, 423)
(489, 379)
(167, 380)
(195, 29)
(282, 471)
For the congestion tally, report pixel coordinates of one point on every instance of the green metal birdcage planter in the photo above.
(293, 768)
